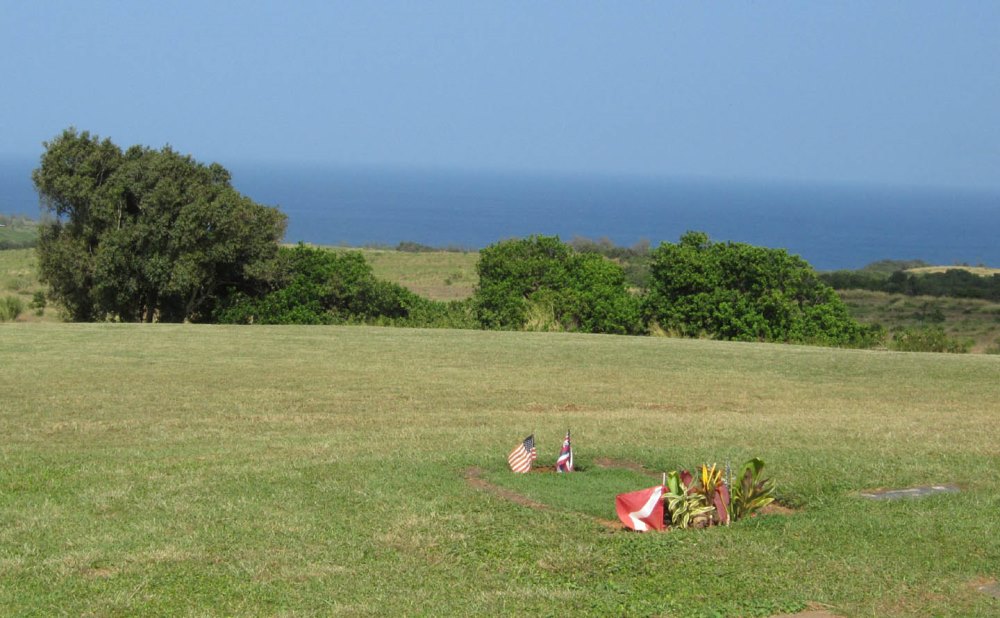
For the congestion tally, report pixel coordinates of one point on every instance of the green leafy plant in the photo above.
(713, 487)
(751, 492)
(687, 508)
(708, 500)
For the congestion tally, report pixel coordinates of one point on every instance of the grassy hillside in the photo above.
(19, 278)
(438, 275)
(982, 271)
(17, 237)
(204, 470)
(961, 318)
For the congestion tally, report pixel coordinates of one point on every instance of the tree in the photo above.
(541, 279)
(742, 292)
(146, 234)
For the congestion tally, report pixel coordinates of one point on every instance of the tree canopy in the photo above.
(747, 293)
(540, 282)
(146, 234)
(319, 286)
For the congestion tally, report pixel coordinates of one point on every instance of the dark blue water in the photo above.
(829, 226)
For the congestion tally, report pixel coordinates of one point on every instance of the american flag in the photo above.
(565, 461)
(523, 454)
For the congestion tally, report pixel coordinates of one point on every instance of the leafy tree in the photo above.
(146, 234)
(742, 292)
(527, 278)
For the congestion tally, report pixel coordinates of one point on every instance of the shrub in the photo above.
(928, 339)
(316, 286)
(38, 302)
(10, 308)
(540, 283)
(746, 293)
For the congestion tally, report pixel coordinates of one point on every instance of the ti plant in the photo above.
(713, 488)
(751, 492)
(687, 507)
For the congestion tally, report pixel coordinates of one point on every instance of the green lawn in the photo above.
(206, 470)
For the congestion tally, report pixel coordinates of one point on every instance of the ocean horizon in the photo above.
(830, 226)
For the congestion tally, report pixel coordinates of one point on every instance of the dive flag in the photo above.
(565, 461)
(523, 454)
(641, 510)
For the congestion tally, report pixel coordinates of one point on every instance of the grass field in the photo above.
(205, 470)
(17, 231)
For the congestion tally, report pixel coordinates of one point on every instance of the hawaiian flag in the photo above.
(565, 461)
(523, 454)
(641, 510)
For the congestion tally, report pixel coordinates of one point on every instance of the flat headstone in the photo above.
(912, 492)
(992, 589)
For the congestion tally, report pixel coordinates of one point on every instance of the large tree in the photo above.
(145, 234)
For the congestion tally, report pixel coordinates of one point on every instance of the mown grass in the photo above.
(206, 470)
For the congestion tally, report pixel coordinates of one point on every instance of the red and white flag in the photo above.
(641, 510)
(565, 461)
(523, 454)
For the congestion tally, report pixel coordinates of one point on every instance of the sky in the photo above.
(900, 93)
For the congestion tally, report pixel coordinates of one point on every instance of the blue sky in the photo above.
(888, 92)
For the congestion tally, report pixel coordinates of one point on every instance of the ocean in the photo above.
(829, 226)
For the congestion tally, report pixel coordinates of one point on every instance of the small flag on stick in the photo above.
(565, 461)
(523, 454)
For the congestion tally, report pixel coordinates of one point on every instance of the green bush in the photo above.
(10, 308)
(38, 302)
(316, 286)
(741, 292)
(540, 283)
(928, 339)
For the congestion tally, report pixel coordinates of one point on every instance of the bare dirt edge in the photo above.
(809, 613)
